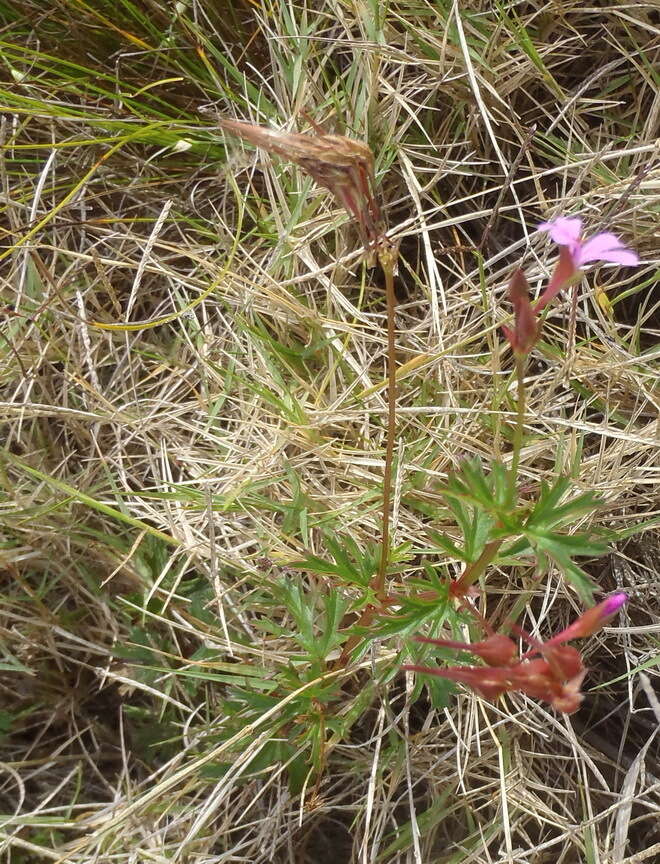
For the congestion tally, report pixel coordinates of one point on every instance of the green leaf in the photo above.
(352, 565)
(567, 544)
(303, 614)
(487, 493)
(415, 615)
(316, 631)
(446, 545)
(334, 607)
(549, 513)
(548, 547)
(440, 691)
(549, 498)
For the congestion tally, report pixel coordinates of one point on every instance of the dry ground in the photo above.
(192, 401)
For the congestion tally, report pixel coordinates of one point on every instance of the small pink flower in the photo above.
(554, 677)
(566, 231)
(575, 253)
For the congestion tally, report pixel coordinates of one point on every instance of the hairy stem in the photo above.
(518, 432)
(387, 257)
(474, 570)
(379, 580)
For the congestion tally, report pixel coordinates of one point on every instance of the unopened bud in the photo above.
(591, 620)
(497, 650)
(565, 660)
(563, 273)
(525, 330)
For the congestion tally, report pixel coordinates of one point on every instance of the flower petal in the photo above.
(606, 247)
(612, 605)
(563, 230)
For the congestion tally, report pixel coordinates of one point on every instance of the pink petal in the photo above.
(623, 256)
(612, 605)
(591, 620)
(563, 230)
(605, 247)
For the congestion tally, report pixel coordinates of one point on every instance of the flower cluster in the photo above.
(552, 671)
(574, 254)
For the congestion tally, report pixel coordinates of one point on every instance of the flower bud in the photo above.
(565, 660)
(525, 329)
(487, 682)
(496, 650)
(564, 271)
(569, 699)
(591, 620)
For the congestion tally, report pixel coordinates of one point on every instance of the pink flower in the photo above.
(554, 677)
(566, 231)
(575, 253)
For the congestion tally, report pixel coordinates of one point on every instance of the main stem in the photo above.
(519, 429)
(379, 581)
(477, 568)
(387, 258)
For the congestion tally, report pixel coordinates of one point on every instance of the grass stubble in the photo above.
(194, 399)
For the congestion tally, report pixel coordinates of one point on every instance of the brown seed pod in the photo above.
(340, 164)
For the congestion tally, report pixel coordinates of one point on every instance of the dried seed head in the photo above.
(337, 163)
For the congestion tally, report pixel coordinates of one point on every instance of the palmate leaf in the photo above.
(361, 564)
(549, 498)
(316, 631)
(302, 611)
(417, 612)
(483, 507)
(561, 548)
(581, 581)
(540, 532)
(519, 546)
(569, 544)
(490, 493)
(475, 525)
(549, 513)
(351, 565)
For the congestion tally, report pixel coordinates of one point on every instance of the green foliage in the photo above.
(485, 511)
(256, 409)
(423, 609)
(481, 503)
(351, 565)
(317, 631)
(549, 514)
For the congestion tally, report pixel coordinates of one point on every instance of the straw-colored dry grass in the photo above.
(193, 400)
